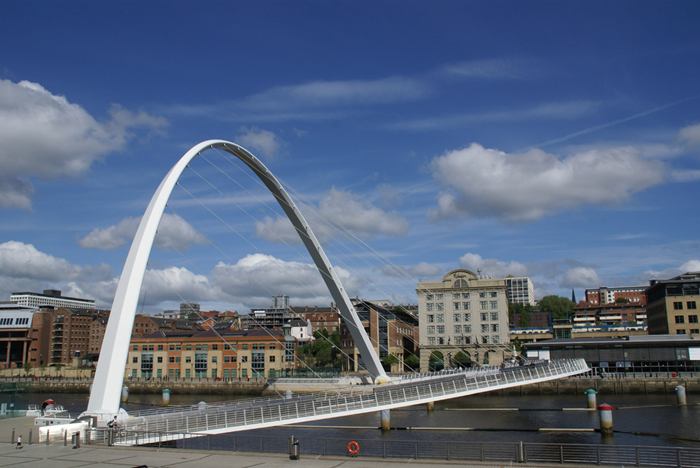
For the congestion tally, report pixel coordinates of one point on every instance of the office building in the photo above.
(520, 290)
(50, 298)
(462, 314)
(672, 305)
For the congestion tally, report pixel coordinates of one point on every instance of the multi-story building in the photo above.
(520, 290)
(271, 317)
(610, 316)
(462, 313)
(227, 355)
(605, 295)
(189, 310)
(50, 298)
(672, 306)
(321, 318)
(15, 340)
(391, 332)
(70, 335)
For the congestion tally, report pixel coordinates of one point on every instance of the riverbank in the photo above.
(576, 385)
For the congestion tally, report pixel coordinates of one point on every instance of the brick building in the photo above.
(240, 354)
(673, 305)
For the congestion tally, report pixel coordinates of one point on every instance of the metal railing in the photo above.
(504, 452)
(273, 412)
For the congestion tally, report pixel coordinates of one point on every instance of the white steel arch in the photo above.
(109, 375)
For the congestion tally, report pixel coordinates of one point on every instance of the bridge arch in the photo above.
(109, 375)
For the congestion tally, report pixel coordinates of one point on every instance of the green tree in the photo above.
(388, 361)
(411, 363)
(559, 307)
(462, 359)
(436, 361)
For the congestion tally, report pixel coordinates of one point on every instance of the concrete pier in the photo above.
(125, 394)
(591, 398)
(680, 395)
(385, 416)
(606, 419)
(430, 406)
(166, 396)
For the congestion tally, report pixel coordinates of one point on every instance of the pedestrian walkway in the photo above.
(66, 457)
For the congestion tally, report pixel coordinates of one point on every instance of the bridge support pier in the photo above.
(385, 416)
(430, 406)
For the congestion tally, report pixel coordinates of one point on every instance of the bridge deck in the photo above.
(241, 416)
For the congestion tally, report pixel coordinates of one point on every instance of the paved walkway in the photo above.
(66, 457)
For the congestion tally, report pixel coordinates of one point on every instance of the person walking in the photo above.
(19, 442)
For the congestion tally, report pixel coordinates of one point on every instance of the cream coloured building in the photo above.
(462, 313)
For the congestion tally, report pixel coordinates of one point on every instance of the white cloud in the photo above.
(173, 233)
(339, 208)
(44, 135)
(260, 140)
(493, 69)
(491, 266)
(580, 277)
(176, 284)
(20, 260)
(685, 175)
(690, 135)
(314, 100)
(483, 182)
(552, 110)
(255, 278)
(690, 265)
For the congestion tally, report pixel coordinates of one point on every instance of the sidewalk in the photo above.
(66, 457)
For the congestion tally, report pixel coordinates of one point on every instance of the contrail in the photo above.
(614, 122)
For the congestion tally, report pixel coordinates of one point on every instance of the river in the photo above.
(657, 416)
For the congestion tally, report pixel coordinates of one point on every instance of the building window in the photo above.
(494, 327)
(429, 306)
(457, 317)
(440, 318)
(677, 306)
(493, 304)
(440, 306)
(465, 305)
(680, 332)
(431, 329)
(160, 359)
(171, 359)
(484, 305)
(495, 339)
(467, 317)
(484, 316)
(482, 294)
(431, 318)
(428, 297)
(272, 358)
(494, 315)
(456, 305)
(691, 305)
(441, 340)
(467, 328)
(438, 297)
(680, 319)
(492, 294)
(244, 358)
(188, 359)
(431, 340)
(692, 319)
(441, 329)
(465, 295)
(458, 329)
(484, 328)
(134, 359)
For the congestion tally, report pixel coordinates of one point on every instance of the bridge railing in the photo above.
(209, 418)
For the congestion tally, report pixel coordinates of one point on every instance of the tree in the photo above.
(558, 307)
(388, 361)
(411, 363)
(462, 359)
(436, 361)
(519, 314)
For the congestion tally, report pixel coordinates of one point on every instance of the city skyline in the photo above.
(547, 140)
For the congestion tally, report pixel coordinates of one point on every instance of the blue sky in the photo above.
(555, 139)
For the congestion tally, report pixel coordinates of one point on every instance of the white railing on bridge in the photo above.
(243, 415)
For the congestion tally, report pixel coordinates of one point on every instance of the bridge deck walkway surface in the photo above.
(240, 416)
(66, 457)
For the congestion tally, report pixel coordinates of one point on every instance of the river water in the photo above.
(639, 419)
